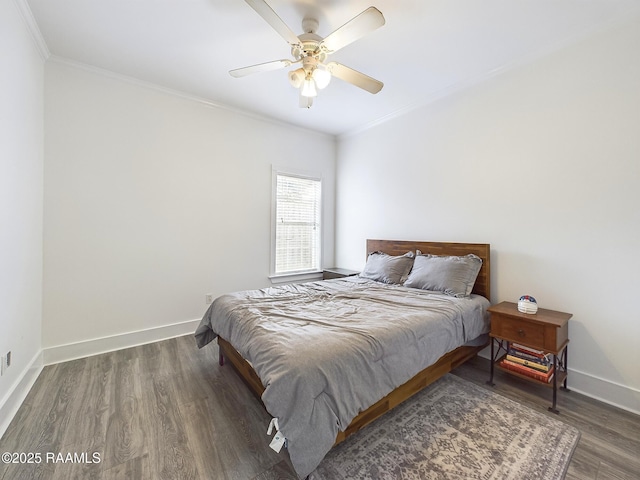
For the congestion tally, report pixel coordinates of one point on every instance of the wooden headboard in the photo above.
(482, 250)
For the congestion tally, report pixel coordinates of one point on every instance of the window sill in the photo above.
(296, 277)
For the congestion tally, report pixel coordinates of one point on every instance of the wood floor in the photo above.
(168, 411)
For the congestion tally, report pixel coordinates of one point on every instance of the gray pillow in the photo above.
(387, 268)
(454, 276)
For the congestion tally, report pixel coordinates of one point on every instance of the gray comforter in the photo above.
(327, 350)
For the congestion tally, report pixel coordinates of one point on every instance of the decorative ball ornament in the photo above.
(527, 304)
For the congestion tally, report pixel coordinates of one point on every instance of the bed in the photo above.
(329, 357)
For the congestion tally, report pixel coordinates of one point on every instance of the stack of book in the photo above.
(529, 362)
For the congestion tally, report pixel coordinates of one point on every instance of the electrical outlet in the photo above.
(5, 362)
(208, 298)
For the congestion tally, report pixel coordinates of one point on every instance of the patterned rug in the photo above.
(455, 430)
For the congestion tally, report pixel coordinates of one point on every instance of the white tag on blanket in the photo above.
(277, 442)
(273, 424)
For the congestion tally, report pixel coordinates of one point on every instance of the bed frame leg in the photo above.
(221, 360)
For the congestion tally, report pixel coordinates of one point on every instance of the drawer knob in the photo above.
(521, 332)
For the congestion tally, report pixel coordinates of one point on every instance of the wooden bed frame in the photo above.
(444, 365)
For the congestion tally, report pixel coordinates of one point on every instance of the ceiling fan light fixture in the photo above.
(309, 88)
(296, 77)
(321, 77)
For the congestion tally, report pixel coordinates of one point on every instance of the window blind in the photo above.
(298, 240)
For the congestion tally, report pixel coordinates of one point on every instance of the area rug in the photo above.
(452, 430)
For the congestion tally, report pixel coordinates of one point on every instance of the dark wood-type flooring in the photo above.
(168, 411)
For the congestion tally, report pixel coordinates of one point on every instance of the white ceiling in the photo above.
(427, 49)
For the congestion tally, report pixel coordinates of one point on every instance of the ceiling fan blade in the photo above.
(360, 25)
(354, 77)
(261, 67)
(265, 11)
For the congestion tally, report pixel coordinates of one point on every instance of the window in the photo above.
(296, 238)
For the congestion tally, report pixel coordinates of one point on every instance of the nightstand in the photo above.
(545, 332)
(335, 272)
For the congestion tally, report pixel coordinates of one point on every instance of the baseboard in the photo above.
(14, 398)
(621, 396)
(601, 389)
(96, 346)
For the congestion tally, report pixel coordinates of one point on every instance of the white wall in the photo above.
(543, 162)
(153, 200)
(21, 159)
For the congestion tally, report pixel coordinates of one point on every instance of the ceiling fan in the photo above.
(311, 51)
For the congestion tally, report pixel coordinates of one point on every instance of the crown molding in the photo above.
(177, 93)
(630, 14)
(32, 27)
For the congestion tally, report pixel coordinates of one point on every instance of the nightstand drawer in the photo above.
(518, 330)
